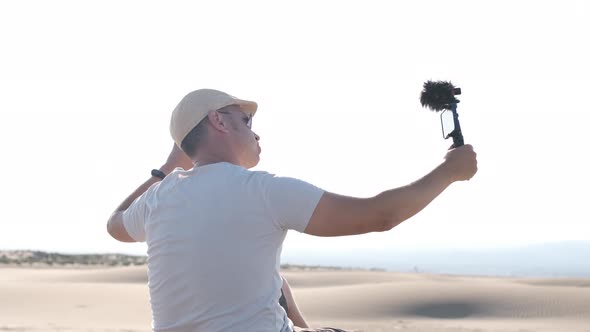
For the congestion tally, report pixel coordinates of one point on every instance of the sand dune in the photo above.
(116, 299)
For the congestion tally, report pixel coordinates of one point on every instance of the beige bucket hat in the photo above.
(195, 106)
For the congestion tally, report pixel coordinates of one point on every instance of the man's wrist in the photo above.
(445, 173)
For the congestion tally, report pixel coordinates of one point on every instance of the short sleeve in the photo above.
(291, 201)
(134, 218)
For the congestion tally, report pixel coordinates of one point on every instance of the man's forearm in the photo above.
(140, 190)
(177, 158)
(115, 224)
(402, 203)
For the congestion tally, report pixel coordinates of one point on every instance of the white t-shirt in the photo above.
(214, 236)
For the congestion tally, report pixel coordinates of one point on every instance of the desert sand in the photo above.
(116, 299)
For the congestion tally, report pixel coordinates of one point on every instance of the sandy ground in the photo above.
(116, 299)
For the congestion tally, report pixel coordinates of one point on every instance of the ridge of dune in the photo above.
(557, 282)
(437, 300)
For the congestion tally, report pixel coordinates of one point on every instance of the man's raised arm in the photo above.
(337, 215)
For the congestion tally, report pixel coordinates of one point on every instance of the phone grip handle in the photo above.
(458, 140)
(457, 135)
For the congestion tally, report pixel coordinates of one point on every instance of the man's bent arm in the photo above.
(115, 227)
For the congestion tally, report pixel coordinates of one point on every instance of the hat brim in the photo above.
(247, 106)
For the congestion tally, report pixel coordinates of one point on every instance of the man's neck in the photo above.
(209, 159)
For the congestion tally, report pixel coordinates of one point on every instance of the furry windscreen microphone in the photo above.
(439, 95)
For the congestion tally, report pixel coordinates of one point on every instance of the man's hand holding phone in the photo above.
(461, 162)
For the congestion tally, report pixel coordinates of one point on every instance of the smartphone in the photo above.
(447, 121)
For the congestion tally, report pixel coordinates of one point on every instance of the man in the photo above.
(215, 232)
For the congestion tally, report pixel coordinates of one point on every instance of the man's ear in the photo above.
(217, 121)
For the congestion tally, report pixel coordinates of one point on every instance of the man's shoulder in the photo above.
(237, 174)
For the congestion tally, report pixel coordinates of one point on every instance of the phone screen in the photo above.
(448, 123)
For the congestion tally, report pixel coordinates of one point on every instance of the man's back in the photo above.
(214, 237)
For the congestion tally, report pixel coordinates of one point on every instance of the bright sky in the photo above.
(87, 88)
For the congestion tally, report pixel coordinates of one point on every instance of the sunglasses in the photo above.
(247, 119)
